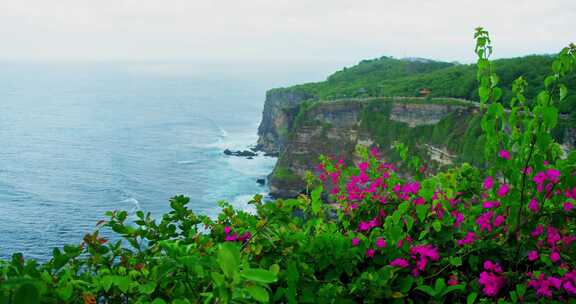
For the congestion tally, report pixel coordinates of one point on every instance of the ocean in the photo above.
(77, 140)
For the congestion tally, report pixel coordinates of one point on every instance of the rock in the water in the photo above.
(245, 153)
(261, 181)
(249, 157)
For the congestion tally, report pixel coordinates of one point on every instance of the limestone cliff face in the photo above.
(335, 128)
(327, 129)
(440, 131)
(277, 117)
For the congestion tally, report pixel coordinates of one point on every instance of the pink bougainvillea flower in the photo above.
(231, 238)
(453, 280)
(503, 190)
(491, 279)
(571, 193)
(554, 281)
(552, 236)
(537, 231)
(492, 204)
(419, 201)
(504, 154)
(488, 265)
(499, 220)
(335, 191)
(570, 288)
(484, 221)
(422, 169)
(553, 175)
(402, 263)
(533, 205)
(374, 152)
(568, 206)
(459, 218)
(227, 230)
(245, 236)
(532, 255)
(542, 285)
(370, 252)
(527, 171)
(491, 283)
(363, 166)
(468, 239)
(355, 242)
(334, 176)
(488, 183)
(364, 226)
(380, 243)
(539, 180)
(427, 251)
(555, 256)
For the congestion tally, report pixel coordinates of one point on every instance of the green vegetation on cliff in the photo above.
(387, 76)
(463, 141)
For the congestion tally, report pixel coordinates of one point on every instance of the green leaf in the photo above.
(228, 258)
(405, 283)
(123, 283)
(403, 207)
(449, 289)
(563, 92)
(27, 294)
(439, 285)
(158, 301)
(494, 79)
(520, 289)
(550, 116)
(292, 277)
(484, 93)
(4, 298)
(316, 201)
(549, 80)
(106, 282)
(437, 225)
(496, 94)
(455, 261)
(427, 289)
(471, 298)
(513, 297)
(147, 288)
(421, 212)
(65, 292)
(180, 301)
(409, 223)
(259, 293)
(259, 275)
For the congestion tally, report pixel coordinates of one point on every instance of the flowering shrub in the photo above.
(506, 234)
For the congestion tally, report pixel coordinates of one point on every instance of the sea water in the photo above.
(77, 140)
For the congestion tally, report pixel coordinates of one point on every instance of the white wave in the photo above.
(187, 162)
(134, 202)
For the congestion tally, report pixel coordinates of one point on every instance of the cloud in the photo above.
(279, 30)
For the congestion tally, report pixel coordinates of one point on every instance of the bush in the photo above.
(505, 234)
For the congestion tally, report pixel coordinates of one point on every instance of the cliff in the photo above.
(331, 117)
(277, 117)
(334, 129)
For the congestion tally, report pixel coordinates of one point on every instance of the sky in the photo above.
(287, 31)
